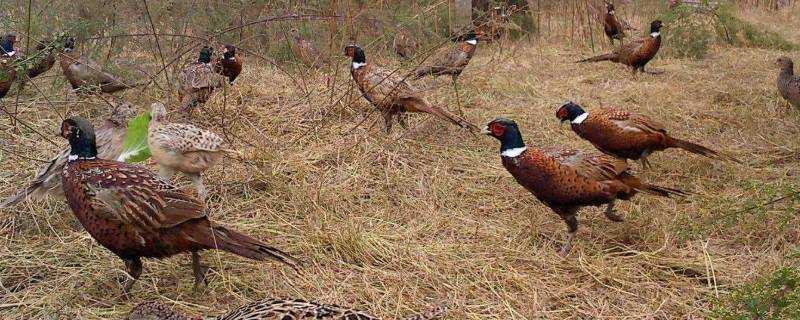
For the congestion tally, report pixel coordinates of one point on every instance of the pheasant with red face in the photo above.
(637, 53)
(625, 134)
(567, 180)
(134, 213)
(391, 94)
(228, 66)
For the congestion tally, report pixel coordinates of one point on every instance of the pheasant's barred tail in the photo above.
(698, 149)
(33, 191)
(602, 57)
(245, 246)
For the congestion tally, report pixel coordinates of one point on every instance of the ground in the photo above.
(402, 222)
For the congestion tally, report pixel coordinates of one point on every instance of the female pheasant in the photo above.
(228, 66)
(85, 75)
(567, 180)
(134, 213)
(403, 44)
(183, 147)
(198, 81)
(110, 137)
(305, 51)
(626, 135)
(8, 71)
(274, 309)
(635, 54)
(391, 94)
(788, 83)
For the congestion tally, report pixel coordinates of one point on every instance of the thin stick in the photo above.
(158, 44)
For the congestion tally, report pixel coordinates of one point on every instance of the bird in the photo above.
(197, 81)
(788, 83)
(404, 45)
(612, 27)
(8, 72)
(450, 60)
(391, 94)
(637, 53)
(305, 51)
(183, 147)
(110, 138)
(85, 75)
(228, 66)
(41, 61)
(566, 179)
(274, 309)
(134, 213)
(625, 134)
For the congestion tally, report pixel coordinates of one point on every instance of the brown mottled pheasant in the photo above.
(133, 213)
(567, 180)
(625, 134)
(274, 309)
(788, 83)
(197, 81)
(450, 60)
(391, 94)
(110, 137)
(183, 147)
(305, 51)
(85, 75)
(404, 45)
(613, 27)
(637, 53)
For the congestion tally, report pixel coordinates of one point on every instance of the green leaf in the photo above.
(134, 148)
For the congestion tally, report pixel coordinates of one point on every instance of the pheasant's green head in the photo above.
(205, 54)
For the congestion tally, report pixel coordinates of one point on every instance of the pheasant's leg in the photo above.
(610, 213)
(387, 120)
(199, 271)
(458, 98)
(197, 180)
(166, 172)
(401, 118)
(643, 159)
(572, 228)
(134, 269)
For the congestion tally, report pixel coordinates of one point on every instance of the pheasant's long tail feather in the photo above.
(239, 244)
(698, 149)
(422, 106)
(655, 190)
(33, 191)
(602, 57)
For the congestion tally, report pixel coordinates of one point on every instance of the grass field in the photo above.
(402, 222)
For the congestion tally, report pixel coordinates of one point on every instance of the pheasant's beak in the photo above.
(485, 130)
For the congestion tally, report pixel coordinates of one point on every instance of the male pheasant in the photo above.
(228, 66)
(85, 75)
(8, 72)
(274, 309)
(613, 27)
(625, 134)
(110, 137)
(183, 147)
(391, 94)
(635, 54)
(788, 83)
(197, 81)
(567, 180)
(133, 213)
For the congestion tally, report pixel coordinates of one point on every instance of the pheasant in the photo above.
(567, 180)
(391, 94)
(305, 51)
(183, 147)
(8, 71)
(274, 309)
(404, 45)
(41, 62)
(788, 83)
(110, 137)
(613, 28)
(133, 213)
(449, 60)
(85, 75)
(635, 54)
(197, 81)
(228, 66)
(626, 135)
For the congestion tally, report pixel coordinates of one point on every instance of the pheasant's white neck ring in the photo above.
(74, 157)
(513, 152)
(357, 65)
(579, 119)
(11, 53)
(472, 41)
(655, 34)
(611, 12)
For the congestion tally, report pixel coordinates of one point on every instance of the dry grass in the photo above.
(397, 223)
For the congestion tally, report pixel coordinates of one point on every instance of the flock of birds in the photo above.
(136, 213)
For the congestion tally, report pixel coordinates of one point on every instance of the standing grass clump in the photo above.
(774, 297)
(688, 33)
(738, 32)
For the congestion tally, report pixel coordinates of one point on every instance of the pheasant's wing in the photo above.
(794, 91)
(135, 196)
(186, 138)
(197, 76)
(631, 122)
(388, 85)
(630, 48)
(593, 165)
